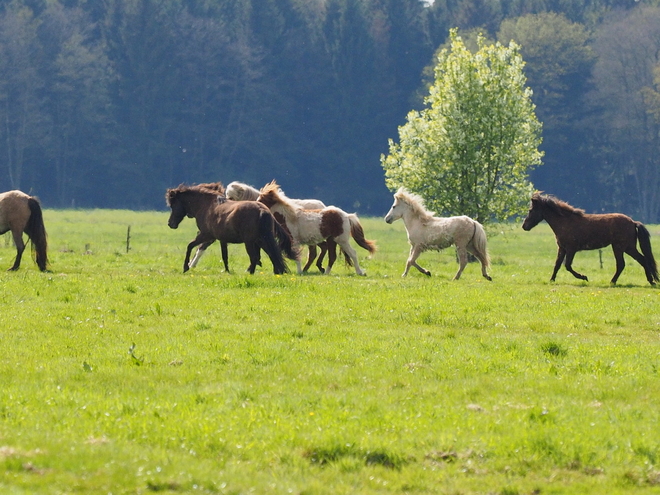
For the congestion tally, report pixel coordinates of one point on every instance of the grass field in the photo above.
(120, 374)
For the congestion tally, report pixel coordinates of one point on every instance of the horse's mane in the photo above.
(556, 205)
(415, 202)
(271, 193)
(245, 191)
(214, 188)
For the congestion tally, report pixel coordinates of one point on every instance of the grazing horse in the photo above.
(239, 191)
(232, 222)
(310, 227)
(426, 231)
(22, 213)
(576, 231)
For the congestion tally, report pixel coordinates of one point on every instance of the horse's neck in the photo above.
(557, 222)
(198, 205)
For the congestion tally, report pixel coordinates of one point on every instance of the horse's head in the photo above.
(396, 211)
(173, 197)
(535, 213)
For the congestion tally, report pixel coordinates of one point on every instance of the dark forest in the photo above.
(107, 104)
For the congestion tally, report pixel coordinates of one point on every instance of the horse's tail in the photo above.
(644, 238)
(284, 241)
(267, 227)
(480, 243)
(347, 258)
(36, 231)
(358, 234)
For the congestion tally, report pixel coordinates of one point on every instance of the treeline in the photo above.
(106, 104)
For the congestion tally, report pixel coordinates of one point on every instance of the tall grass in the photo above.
(121, 374)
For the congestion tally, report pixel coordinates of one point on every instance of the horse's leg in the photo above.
(415, 251)
(641, 259)
(569, 266)
(195, 242)
(482, 259)
(310, 257)
(348, 249)
(225, 256)
(20, 247)
(254, 252)
(561, 254)
(324, 249)
(462, 261)
(620, 263)
(201, 250)
(331, 247)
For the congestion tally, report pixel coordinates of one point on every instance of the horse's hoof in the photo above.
(427, 273)
(489, 278)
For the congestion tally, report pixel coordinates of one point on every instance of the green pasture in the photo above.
(120, 374)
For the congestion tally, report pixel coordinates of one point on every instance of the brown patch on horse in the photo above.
(332, 223)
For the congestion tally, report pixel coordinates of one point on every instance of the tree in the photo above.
(469, 151)
(625, 132)
(558, 64)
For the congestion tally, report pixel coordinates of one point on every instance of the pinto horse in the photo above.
(576, 231)
(22, 213)
(238, 191)
(232, 222)
(311, 227)
(426, 231)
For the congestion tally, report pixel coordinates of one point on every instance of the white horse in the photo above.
(311, 227)
(426, 231)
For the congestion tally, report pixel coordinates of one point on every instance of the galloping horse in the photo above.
(233, 222)
(22, 213)
(576, 231)
(310, 227)
(426, 231)
(239, 191)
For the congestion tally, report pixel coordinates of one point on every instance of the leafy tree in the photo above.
(470, 150)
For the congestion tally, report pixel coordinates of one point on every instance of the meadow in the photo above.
(121, 374)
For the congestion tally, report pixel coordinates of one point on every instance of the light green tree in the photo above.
(470, 150)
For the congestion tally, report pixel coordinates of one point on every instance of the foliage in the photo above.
(121, 374)
(470, 150)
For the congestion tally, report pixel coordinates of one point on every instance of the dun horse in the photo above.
(310, 227)
(576, 231)
(426, 231)
(22, 213)
(232, 222)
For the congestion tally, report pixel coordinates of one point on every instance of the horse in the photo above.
(426, 231)
(238, 191)
(576, 231)
(310, 227)
(20, 213)
(232, 222)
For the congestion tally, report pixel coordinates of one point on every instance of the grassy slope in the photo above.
(315, 384)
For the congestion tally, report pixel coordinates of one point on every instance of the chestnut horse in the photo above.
(310, 227)
(22, 213)
(232, 222)
(576, 231)
(426, 231)
(238, 191)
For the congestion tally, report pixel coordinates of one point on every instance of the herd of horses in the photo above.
(267, 220)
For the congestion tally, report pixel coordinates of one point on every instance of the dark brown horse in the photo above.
(576, 231)
(232, 222)
(22, 213)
